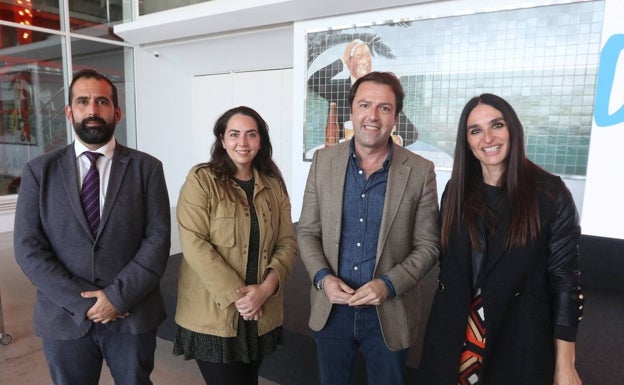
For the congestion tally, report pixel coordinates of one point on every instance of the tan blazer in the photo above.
(408, 244)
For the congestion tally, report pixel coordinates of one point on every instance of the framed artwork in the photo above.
(542, 59)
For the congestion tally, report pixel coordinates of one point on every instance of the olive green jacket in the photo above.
(214, 234)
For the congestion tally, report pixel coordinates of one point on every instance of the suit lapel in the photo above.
(69, 174)
(119, 166)
(398, 176)
(338, 171)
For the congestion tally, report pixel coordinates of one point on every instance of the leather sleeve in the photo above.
(563, 265)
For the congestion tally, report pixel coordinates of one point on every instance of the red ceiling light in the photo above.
(22, 10)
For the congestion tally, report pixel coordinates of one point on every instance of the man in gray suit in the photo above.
(368, 233)
(98, 294)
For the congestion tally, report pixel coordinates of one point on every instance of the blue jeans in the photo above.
(347, 329)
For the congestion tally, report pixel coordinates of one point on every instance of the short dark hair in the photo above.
(92, 74)
(387, 78)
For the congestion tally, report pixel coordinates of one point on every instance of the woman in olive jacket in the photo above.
(239, 246)
(508, 302)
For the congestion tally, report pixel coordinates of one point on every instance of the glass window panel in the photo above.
(97, 18)
(38, 13)
(151, 6)
(32, 119)
(115, 62)
(33, 67)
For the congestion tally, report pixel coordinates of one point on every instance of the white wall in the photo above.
(604, 206)
(7, 212)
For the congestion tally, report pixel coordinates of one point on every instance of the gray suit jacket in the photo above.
(408, 244)
(55, 248)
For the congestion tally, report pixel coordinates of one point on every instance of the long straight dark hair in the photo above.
(221, 163)
(464, 202)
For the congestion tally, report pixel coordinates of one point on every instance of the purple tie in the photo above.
(90, 195)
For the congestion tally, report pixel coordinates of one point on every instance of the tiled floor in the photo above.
(22, 361)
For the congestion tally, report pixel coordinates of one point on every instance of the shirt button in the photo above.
(355, 268)
(360, 172)
(361, 220)
(358, 244)
(363, 195)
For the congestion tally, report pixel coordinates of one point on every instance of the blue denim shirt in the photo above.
(362, 211)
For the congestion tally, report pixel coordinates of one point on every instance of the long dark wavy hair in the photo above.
(221, 163)
(464, 202)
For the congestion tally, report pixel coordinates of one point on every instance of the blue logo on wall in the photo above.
(604, 85)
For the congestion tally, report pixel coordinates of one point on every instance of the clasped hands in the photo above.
(250, 304)
(372, 293)
(102, 310)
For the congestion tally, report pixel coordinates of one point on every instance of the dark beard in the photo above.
(94, 135)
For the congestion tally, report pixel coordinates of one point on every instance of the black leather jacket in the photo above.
(531, 296)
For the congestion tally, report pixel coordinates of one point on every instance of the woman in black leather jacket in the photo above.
(508, 302)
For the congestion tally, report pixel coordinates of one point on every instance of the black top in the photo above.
(493, 233)
(247, 346)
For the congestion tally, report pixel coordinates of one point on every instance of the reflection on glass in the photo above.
(33, 97)
(41, 13)
(97, 18)
(32, 118)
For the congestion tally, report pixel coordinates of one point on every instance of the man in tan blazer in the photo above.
(368, 233)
